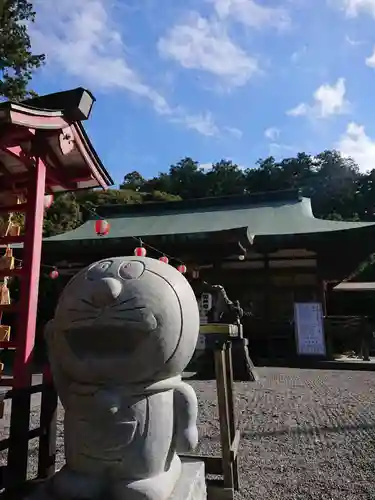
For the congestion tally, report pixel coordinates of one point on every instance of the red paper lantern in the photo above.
(140, 252)
(102, 227)
(164, 259)
(54, 274)
(182, 268)
(48, 200)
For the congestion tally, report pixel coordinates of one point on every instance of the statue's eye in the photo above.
(97, 270)
(131, 270)
(103, 266)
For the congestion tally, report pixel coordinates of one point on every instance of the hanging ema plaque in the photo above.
(309, 328)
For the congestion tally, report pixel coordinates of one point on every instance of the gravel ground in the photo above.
(306, 434)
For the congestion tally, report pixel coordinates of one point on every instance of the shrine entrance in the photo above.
(43, 150)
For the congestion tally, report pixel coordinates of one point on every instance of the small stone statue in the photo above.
(123, 332)
(225, 310)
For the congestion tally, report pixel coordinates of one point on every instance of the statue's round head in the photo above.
(129, 319)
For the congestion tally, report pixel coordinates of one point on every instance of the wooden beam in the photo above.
(19, 423)
(48, 425)
(55, 170)
(15, 135)
(18, 154)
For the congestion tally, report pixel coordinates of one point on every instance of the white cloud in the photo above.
(352, 42)
(370, 61)
(329, 100)
(251, 13)
(353, 8)
(272, 133)
(204, 45)
(355, 143)
(202, 123)
(236, 132)
(300, 110)
(83, 40)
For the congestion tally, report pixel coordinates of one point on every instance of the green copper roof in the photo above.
(261, 215)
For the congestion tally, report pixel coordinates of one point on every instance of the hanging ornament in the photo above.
(48, 200)
(54, 274)
(182, 268)
(164, 259)
(102, 227)
(195, 274)
(140, 252)
(4, 294)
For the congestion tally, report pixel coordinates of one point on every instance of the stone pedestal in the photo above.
(243, 367)
(192, 482)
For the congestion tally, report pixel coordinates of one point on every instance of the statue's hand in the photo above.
(186, 412)
(188, 439)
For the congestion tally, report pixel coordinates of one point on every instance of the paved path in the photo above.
(306, 434)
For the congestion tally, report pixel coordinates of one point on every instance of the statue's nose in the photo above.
(105, 292)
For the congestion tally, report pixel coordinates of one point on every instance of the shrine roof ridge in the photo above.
(75, 104)
(197, 204)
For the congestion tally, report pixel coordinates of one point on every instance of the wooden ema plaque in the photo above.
(7, 263)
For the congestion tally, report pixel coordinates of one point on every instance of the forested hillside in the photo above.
(336, 186)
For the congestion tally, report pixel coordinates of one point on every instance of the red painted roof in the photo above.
(56, 136)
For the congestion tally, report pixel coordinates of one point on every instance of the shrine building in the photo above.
(268, 250)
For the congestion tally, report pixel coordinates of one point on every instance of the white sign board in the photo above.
(309, 329)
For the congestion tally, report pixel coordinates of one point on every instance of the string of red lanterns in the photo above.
(102, 228)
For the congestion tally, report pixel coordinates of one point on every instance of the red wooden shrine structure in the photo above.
(43, 150)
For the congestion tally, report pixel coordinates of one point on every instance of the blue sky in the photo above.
(212, 79)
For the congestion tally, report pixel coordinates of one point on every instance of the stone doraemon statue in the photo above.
(124, 330)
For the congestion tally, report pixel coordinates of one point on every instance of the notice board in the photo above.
(309, 328)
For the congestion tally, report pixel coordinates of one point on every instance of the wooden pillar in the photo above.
(27, 310)
(48, 427)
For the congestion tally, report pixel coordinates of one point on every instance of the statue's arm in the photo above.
(186, 413)
(60, 379)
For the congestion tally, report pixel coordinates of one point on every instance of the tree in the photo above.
(133, 180)
(17, 61)
(225, 178)
(185, 179)
(63, 215)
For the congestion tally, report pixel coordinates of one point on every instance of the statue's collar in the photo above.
(131, 389)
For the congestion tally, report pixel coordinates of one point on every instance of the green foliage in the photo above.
(133, 180)
(337, 189)
(63, 215)
(159, 196)
(70, 210)
(17, 61)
